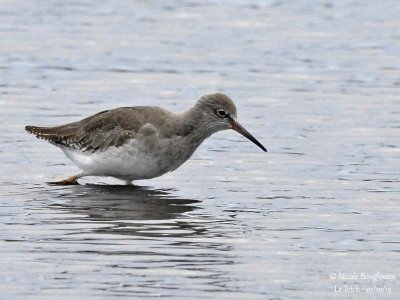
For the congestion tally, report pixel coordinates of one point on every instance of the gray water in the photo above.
(318, 216)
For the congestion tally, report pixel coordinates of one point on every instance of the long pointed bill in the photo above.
(239, 128)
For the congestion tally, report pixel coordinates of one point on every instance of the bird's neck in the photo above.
(196, 124)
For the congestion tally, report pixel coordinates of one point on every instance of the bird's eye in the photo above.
(221, 113)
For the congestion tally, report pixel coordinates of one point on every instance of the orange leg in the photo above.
(69, 181)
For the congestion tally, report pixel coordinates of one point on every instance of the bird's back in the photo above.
(104, 129)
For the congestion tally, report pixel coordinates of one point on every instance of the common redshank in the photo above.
(140, 142)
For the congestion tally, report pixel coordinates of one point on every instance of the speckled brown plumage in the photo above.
(103, 130)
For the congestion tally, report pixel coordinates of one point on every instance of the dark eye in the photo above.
(221, 113)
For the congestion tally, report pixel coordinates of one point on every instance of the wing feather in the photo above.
(108, 128)
(95, 133)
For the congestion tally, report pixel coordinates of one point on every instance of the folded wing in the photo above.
(95, 133)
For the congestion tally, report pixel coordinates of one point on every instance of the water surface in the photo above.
(317, 82)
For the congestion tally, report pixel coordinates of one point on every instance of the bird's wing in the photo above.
(95, 133)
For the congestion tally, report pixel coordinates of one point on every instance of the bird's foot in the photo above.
(73, 180)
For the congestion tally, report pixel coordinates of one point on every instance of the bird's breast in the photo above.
(146, 156)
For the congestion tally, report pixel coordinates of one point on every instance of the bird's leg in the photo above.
(130, 183)
(69, 181)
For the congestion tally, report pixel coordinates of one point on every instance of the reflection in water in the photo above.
(144, 239)
(127, 240)
(131, 210)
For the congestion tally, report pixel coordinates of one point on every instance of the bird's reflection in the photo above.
(130, 210)
(145, 230)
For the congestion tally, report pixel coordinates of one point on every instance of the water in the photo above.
(317, 82)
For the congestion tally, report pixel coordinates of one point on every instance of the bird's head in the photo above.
(217, 112)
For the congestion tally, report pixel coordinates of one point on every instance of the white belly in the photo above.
(137, 159)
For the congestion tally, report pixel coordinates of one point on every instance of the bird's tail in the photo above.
(45, 133)
(51, 134)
